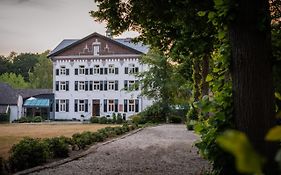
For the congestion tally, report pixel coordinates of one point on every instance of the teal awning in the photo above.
(37, 102)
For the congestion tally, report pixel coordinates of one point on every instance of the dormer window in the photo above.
(96, 47)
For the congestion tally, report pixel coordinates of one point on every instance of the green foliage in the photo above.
(83, 139)
(103, 120)
(94, 120)
(42, 75)
(16, 81)
(4, 118)
(119, 119)
(58, 146)
(175, 119)
(28, 153)
(30, 119)
(246, 159)
(274, 134)
(136, 119)
(153, 114)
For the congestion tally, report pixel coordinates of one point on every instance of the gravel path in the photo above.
(165, 149)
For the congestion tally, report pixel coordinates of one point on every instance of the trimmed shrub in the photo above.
(119, 119)
(114, 118)
(99, 136)
(136, 119)
(37, 119)
(58, 146)
(175, 119)
(83, 139)
(28, 153)
(94, 120)
(118, 130)
(103, 120)
(4, 118)
(109, 121)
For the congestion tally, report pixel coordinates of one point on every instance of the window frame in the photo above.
(96, 85)
(62, 85)
(111, 69)
(81, 84)
(62, 105)
(111, 85)
(96, 69)
(81, 70)
(131, 106)
(62, 70)
(81, 105)
(111, 105)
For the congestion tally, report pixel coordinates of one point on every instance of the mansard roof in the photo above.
(126, 43)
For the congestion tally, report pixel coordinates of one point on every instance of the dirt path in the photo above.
(165, 149)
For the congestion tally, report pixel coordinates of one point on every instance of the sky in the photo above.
(38, 25)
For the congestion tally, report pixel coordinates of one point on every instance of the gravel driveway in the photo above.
(165, 149)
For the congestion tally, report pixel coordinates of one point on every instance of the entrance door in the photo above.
(96, 108)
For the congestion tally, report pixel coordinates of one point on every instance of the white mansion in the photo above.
(92, 77)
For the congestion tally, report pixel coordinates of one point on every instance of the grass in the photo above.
(13, 133)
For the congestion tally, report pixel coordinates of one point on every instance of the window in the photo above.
(96, 50)
(131, 84)
(81, 106)
(62, 105)
(96, 69)
(110, 105)
(111, 85)
(62, 86)
(96, 85)
(62, 70)
(131, 105)
(111, 69)
(81, 69)
(81, 85)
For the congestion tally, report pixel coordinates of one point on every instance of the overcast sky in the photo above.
(38, 25)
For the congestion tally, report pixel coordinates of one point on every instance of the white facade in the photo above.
(95, 85)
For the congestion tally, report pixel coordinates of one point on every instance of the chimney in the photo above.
(108, 33)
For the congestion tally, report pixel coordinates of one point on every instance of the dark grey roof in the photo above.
(137, 46)
(9, 96)
(63, 44)
(127, 42)
(26, 93)
(3, 109)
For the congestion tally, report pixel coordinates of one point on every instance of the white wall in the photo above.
(13, 112)
(121, 63)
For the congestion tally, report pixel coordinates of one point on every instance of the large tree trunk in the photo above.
(250, 40)
(196, 79)
(204, 73)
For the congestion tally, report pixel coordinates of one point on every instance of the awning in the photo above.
(37, 102)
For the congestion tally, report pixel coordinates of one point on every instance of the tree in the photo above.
(244, 25)
(42, 76)
(24, 63)
(16, 81)
(5, 65)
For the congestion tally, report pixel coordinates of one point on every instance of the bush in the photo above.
(94, 120)
(58, 146)
(28, 153)
(175, 119)
(37, 119)
(136, 119)
(99, 136)
(103, 120)
(119, 119)
(109, 121)
(4, 118)
(83, 139)
(153, 114)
